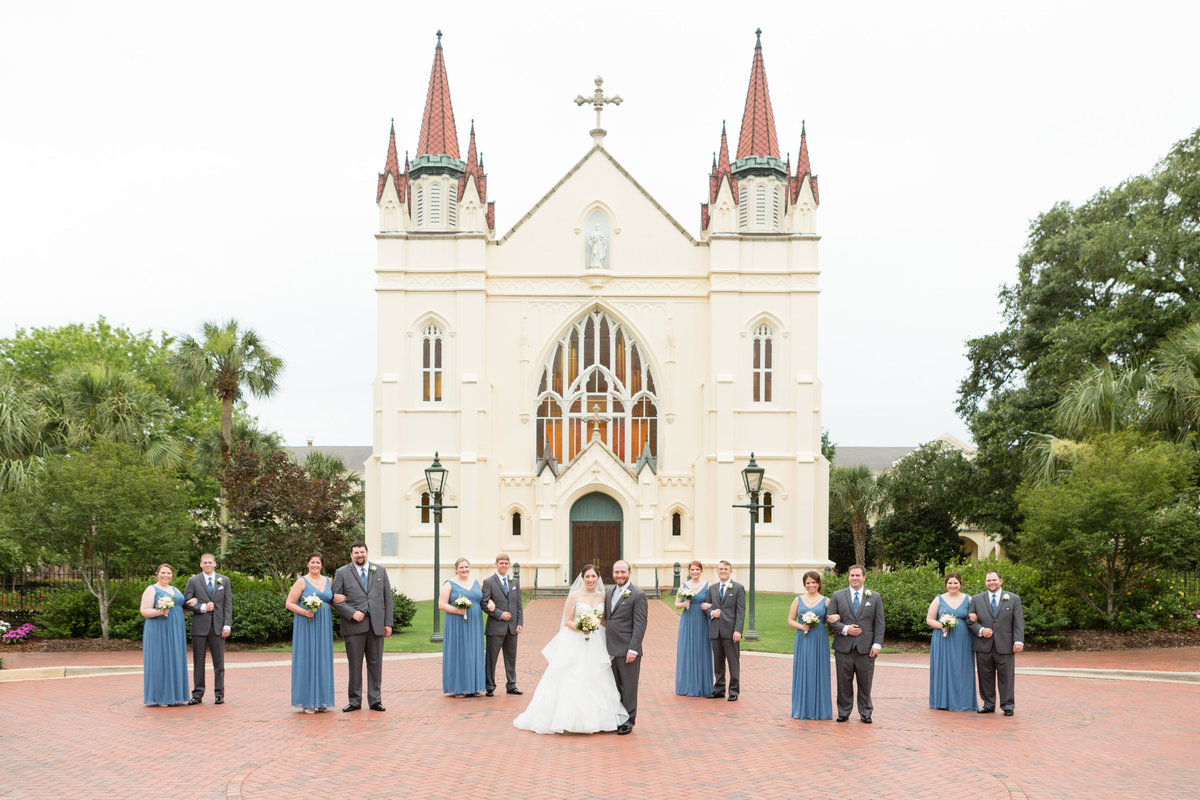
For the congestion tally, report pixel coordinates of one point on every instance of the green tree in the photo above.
(103, 511)
(925, 497)
(1125, 509)
(223, 363)
(23, 439)
(1099, 283)
(281, 514)
(853, 491)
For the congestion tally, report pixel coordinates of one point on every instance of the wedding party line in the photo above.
(593, 662)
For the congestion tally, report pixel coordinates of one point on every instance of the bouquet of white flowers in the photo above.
(588, 624)
(312, 602)
(464, 603)
(948, 622)
(685, 594)
(165, 604)
(810, 618)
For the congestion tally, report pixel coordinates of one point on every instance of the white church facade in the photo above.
(595, 379)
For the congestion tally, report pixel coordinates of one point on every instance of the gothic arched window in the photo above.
(431, 364)
(516, 523)
(677, 524)
(596, 377)
(762, 343)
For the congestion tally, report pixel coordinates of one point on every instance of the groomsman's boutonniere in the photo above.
(625, 594)
(868, 593)
(372, 569)
(220, 581)
(1006, 598)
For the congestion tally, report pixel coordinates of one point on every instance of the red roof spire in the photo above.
(720, 169)
(803, 169)
(757, 137)
(438, 134)
(392, 167)
(474, 168)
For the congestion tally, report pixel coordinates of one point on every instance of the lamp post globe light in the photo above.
(752, 478)
(435, 482)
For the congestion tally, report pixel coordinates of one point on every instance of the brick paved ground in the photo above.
(1071, 738)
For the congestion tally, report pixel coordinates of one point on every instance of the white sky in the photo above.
(164, 164)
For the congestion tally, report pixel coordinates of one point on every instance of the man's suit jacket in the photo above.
(379, 595)
(1008, 624)
(626, 624)
(222, 596)
(869, 618)
(733, 610)
(493, 590)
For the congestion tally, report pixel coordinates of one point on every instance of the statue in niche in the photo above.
(597, 246)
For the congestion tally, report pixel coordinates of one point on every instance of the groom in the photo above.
(626, 609)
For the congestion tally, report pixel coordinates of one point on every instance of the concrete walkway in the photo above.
(1086, 725)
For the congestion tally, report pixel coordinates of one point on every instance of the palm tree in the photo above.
(854, 491)
(223, 363)
(23, 443)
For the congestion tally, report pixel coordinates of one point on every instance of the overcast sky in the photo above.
(164, 164)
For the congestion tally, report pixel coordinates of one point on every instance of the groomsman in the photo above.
(726, 609)
(627, 611)
(366, 619)
(209, 598)
(999, 633)
(502, 603)
(858, 638)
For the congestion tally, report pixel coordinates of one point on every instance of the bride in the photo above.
(577, 693)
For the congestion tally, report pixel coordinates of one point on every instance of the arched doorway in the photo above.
(595, 533)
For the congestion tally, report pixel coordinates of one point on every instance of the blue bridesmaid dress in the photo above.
(462, 648)
(811, 698)
(951, 663)
(164, 655)
(693, 651)
(312, 652)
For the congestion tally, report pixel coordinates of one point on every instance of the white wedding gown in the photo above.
(577, 693)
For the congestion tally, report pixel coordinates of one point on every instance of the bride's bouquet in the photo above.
(685, 594)
(948, 622)
(165, 604)
(464, 603)
(810, 618)
(312, 602)
(588, 623)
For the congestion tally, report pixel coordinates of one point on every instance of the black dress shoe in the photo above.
(194, 701)
(515, 691)
(717, 695)
(1008, 712)
(490, 692)
(866, 720)
(624, 728)
(732, 697)
(377, 707)
(351, 707)
(986, 710)
(842, 719)
(219, 700)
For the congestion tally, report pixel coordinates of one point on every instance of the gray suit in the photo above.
(366, 635)
(502, 634)
(207, 627)
(720, 632)
(994, 660)
(624, 628)
(852, 653)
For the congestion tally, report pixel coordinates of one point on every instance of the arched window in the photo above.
(420, 206)
(764, 514)
(760, 207)
(743, 208)
(761, 378)
(435, 205)
(596, 379)
(424, 508)
(431, 364)
(516, 523)
(677, 524)
(452, 208)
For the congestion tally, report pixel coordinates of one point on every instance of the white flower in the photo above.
(868, 593)
(372, 568)
(220, 580)
(625, 594)
(1006, 597)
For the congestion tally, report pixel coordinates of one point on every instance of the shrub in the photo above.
(403, 611)
(260, 617)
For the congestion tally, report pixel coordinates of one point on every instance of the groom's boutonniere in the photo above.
(625, 594)
(868, 593)
(1006, 598)
(372, 569)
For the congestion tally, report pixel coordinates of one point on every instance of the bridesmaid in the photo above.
(693, 650)
(951, 668)
(164, 643)
(312, 639)
(462, 653)
(811, 698)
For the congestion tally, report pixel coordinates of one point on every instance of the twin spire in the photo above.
(438, 134)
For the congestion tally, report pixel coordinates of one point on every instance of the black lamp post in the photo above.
(435, 480)
(752, 477)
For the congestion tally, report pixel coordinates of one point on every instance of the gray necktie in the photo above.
(722, 591)
(210, 589)
(856, 602)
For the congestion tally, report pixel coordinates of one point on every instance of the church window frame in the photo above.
(516, 524)
(433, 360)
(435, 205)
(762, 364)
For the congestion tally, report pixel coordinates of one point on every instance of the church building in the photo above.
(595, 379)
